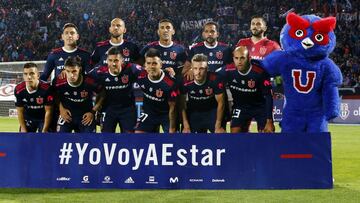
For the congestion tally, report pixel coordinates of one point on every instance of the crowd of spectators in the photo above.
(30, 29)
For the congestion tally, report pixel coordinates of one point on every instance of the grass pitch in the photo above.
(346, 171)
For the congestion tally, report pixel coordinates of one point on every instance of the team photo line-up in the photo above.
(184, 90)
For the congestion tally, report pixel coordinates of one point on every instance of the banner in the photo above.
(7, 92)
(194, 24)
(349, 112)
(164, 161)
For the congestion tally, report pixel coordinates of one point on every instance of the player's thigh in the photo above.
(146, 122)
(108, 122)
(127, 119)
(63, 126)
(241, 118)
(30, 125)
(260, 118)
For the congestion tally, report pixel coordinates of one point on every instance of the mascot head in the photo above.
(308, 36)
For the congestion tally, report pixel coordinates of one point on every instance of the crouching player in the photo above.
(75, 93)
(160, 92)
(34, 101)
(251, 91)
(119, 102)
(204, 109)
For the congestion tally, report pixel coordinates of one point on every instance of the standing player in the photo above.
(258, 45)
(33, 101)
(119, 102)
(129, 50)
(75, 93)
(55, 60)
(251, 91)
(173, 55)
(218, 53)
(160, 92)
(205, 107)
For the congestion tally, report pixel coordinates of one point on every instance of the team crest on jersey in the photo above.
(251, 83)
(126, 52)
(208, 91)
(262, 50)
(344, 111)
(159, 93)
(39, 100)
(84, 94)
(219, 55)
(125, 79)
(173, 55)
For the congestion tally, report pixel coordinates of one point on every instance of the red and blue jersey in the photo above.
(56, 60)
(129, 51)
(173, 55)
(34, 102)
(201, 97)
(119, 91)
(157, 93)
(77, 99)
(218, 55)
(259, 49)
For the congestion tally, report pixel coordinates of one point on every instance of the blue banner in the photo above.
(164, 161)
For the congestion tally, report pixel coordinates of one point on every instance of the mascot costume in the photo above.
(310, 78)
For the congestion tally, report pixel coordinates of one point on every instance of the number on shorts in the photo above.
(103, 116)
(143, 117)
(61, 121)
(236, 113)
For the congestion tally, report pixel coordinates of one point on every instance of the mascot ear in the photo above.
(297, 21)
(325, 25)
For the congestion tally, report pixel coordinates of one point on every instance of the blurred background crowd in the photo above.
(30, 29)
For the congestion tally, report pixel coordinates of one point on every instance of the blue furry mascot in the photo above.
(310, 77)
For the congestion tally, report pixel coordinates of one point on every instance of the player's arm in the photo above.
(187, 72)
(186, 124)
(48, 68)
(47, 118)
(99, 101)
(64, 113)
(172, 116)
(21, 118)
(267, 93)
(220, 98)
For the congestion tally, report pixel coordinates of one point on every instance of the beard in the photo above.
(210, 40)
(257, 33)
(115, 35)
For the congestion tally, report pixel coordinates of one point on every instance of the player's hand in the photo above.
(171, 71)
(65, 114)
(87, 118)
(189, 75)
(62, 75)
(269, 127)
(220, 130)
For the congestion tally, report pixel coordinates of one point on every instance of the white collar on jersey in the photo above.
(199, 84)
(32, 92)
(166, 46)
(69, 51)
(159, 80)
(246, 72)
(116, 44)
(71, 85)
(210, 47)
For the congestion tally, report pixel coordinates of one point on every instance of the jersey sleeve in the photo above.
(48, 68)
(144, 50)
(190, 54)
(95, 57)
(135, 54)
(218, 85)
(18, 101)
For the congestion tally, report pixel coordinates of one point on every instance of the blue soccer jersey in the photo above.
(56, 59)
(129, 51)
(218, 55)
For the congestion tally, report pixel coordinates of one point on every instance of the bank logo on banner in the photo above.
(344, 111)
(196, 180)
(107, 180)
(129, 180)
(85, 180)
(217, 180)
(173, 179)
(151, 180)
(63, 179)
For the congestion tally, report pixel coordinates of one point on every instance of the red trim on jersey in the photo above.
(168, 81)
(222, 44)
(82, 49)
(103, 69)
(154, 43)
(188, 82)
(44, 85)
(257, 69)
(212, 76)
(60, 82)
(230, 67)
(56, 50)
(198, 44)
(20, 87)
(103, 43)
(143, 74)
(89, 80)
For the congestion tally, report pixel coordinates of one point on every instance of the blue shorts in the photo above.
(34, 125)
(201, 122)
(150, 122)
(76, 125)
(125, 117)
(242, 117)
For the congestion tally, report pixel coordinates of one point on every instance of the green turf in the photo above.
(346, 169)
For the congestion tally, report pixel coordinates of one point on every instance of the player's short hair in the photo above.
(73, 61)
(259, 16)
(30, 65)
(166, 20)
(199, 58)
(70, 25)
(152, 53)
(211, 23)
(114, 51)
